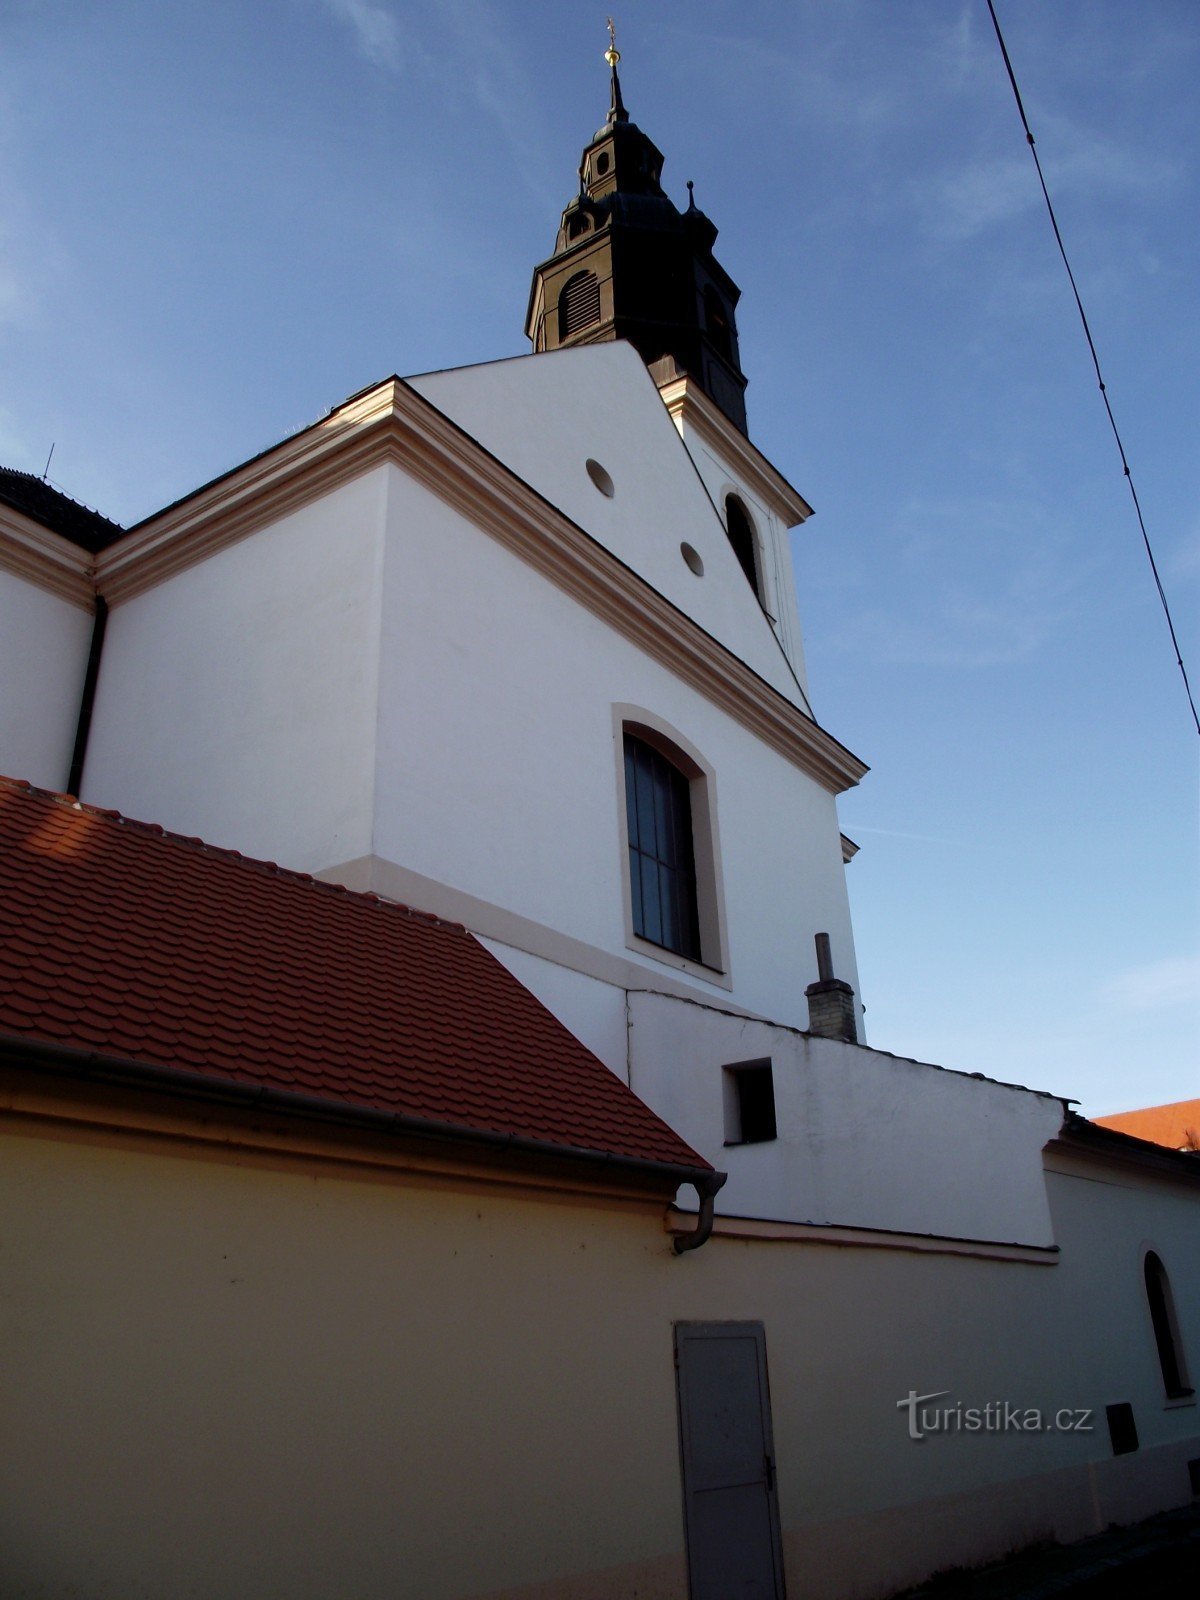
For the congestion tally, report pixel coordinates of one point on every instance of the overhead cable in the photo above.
(1012, 78)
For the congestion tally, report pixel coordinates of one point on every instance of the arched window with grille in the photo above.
(670, 844)
(741, 536)
(1166, 1328)
(578, 304)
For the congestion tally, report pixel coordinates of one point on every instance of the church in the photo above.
(442, 1151)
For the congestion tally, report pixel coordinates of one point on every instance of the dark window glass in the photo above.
(578, 304)
(741, 537)
(1158, 1293)
(1122, 1429)
(662, 870)
(754, 1088)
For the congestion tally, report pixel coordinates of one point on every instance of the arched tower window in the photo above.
(578, 304)
(662, 862)
(1166, 1329)
(741, 536)
(716, 322)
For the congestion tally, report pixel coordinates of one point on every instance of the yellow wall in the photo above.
(227, 1375)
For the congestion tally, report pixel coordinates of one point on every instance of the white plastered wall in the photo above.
(237, 700)
(499, 770)
(1108, 1213)
(44, 642)
(776, 570)
(865, 1139)
(544, 416)
(374, 677)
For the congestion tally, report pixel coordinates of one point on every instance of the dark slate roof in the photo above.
(142, 946)
(42, 503)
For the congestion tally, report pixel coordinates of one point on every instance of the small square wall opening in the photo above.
(1122, 1429)
(749, 1103)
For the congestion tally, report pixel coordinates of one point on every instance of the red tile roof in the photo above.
(1176, 1125)
(118, 938)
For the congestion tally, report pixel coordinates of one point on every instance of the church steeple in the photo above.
(616, 110)
(627, 264)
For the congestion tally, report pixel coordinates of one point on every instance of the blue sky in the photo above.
(218, 219)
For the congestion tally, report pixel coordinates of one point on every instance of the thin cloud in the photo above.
(808, 86)
(15, 447)
(12, 299)
(959, 48)
(897, 833)
(1174, 981)
(498, 78)
(995, 599)
(987, 191)
(376, 31)
(1186, 558)
(972, 635)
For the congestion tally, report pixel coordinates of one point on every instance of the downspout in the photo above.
(88, 698)
(706, 1187)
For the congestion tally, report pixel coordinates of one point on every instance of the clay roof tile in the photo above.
(116, 936)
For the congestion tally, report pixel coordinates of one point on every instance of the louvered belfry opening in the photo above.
(628, 264)
(578, 304)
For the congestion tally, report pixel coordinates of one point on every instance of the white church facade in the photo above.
(517, 646)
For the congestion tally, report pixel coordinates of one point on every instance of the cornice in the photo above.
(45, 558)
(851, 1236)
(691, 407)
(1089, 1141)
(393, 424)
(301, 469)
(36, 1100)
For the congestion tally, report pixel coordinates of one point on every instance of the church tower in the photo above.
(627, 264)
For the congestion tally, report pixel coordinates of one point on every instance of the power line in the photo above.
(1012, 78)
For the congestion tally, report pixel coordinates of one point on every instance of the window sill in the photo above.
(1178, 1402)
(669, 958)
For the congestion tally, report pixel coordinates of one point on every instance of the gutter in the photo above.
(706, 1187)
(96, 1066)
(1077, 1131)
(87, 698)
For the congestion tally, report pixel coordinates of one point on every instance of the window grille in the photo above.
(662, 869)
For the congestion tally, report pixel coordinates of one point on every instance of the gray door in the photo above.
(730, 1510)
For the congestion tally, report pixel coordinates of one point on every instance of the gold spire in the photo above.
(612, 55)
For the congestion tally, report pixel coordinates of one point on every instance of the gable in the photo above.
(547, 416)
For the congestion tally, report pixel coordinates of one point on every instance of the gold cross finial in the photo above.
(612, 55)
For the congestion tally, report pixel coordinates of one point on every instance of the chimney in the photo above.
(830, 1000)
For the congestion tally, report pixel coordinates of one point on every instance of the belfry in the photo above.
(627, 264)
